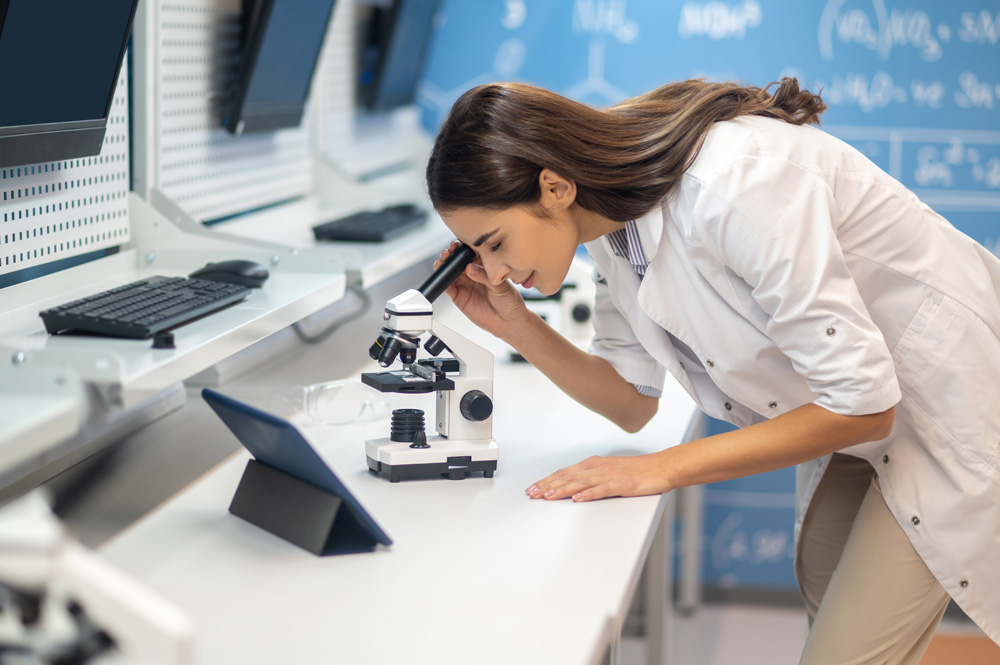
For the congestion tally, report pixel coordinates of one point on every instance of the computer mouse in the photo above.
(234, 271)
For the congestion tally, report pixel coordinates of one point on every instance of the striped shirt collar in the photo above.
(627, 243)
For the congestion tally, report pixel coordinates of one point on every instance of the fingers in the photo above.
(477, 274)
(473, 271)
(594, 478)
(602, 477)
(578, 491)
(594, 493)
(445, 253)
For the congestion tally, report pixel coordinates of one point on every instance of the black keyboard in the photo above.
(142, 309)
(372, 226)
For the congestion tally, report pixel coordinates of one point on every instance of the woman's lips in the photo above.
(528, 282)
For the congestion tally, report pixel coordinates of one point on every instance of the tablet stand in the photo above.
(297, 511)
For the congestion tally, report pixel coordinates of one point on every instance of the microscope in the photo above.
(464, 385)
(62, 603)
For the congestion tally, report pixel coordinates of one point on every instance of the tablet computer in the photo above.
(279, 445)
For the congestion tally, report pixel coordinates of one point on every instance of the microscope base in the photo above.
(397, 472)
(452, 460)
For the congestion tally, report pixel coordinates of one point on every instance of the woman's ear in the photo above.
(557, 192)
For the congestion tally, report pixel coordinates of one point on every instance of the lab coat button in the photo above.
(831, 331)
(710, 363)
(682, 365)
(915, 520)
(773, 405)
(729, 406)
(964, 583)
(885, 459)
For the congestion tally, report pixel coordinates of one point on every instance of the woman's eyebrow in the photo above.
(483, 238)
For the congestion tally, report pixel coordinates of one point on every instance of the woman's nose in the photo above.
(497, 273)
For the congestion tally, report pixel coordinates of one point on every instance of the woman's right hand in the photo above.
(494, 308)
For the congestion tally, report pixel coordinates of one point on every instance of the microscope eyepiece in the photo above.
(447, 272)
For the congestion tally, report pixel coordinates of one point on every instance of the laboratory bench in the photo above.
(68, 395)
(477, 570)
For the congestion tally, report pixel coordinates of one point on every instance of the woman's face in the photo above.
(518, 245)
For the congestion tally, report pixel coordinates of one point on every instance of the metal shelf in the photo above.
(288, 227)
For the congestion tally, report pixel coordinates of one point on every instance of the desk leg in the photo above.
(613, 654)
(658, 610)
(692, 513)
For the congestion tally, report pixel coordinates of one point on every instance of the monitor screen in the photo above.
(282, 41)
(60, 61)
(393, 57)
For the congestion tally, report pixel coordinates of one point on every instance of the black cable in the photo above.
(366, 303)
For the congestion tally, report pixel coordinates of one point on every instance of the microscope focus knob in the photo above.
(476, 405)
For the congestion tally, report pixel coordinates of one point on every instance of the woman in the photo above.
(794, 289)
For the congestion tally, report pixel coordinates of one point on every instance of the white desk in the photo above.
(39, 406)
(128, 371)
(477, 571)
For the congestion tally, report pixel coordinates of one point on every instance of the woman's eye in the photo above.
(496, 247)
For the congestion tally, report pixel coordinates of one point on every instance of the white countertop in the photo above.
(477, 571)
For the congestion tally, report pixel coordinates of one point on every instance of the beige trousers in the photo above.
(869, 596)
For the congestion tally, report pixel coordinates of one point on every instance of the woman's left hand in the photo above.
(602, 477)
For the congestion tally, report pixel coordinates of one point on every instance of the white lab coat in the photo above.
(798, 272)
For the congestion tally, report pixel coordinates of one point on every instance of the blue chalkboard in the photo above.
(914, 84)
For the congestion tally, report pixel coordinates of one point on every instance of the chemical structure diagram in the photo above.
(595, 20)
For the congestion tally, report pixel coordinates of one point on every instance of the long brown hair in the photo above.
(624, 159)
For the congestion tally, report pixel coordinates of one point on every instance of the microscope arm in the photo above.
(473, 360)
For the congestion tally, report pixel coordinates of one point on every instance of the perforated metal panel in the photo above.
(59, 210)
(201, 167)
(334, 86)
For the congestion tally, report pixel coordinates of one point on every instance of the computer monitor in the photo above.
(392, 56)
(60, 61)
(281, 44)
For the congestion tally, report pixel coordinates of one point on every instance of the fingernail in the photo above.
(550, 493)
(576, 497)
(532, 489)
(473, 268)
